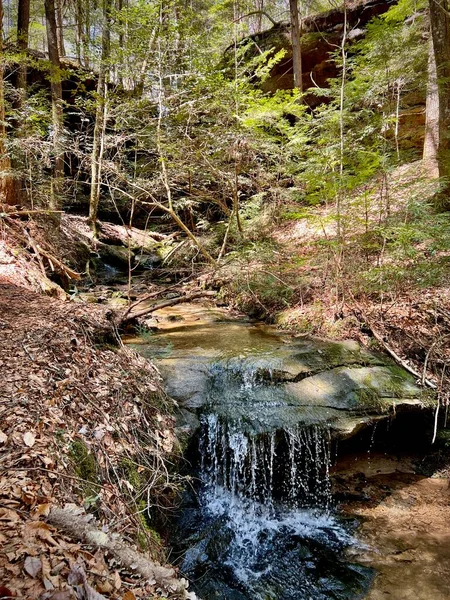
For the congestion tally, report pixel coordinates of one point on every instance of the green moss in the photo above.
(369, 400)
(131, 473)
(147, 538)
(429, 398)
(443, 440)
(85, 467)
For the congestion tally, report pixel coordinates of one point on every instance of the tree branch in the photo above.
(256, 12)
(127, 316)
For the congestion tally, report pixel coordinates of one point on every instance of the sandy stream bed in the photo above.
(405, 525)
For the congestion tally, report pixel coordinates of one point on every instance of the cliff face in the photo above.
(322, 36)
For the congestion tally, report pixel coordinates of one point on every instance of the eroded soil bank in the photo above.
(85, 426)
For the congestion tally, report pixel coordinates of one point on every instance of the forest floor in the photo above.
(84, 422)
(84, 425)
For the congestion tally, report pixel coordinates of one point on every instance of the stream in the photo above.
(292, 446)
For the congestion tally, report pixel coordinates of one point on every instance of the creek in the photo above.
(292, 445)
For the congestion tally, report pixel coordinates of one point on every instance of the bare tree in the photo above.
(296, 46)
(430, 146)
(100, 117)
(7, 184)
(23, 25)
(60, 27)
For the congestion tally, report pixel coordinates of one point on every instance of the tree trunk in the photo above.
(60, 28)
(23, 25)
(430, 147)
(119, 8)
(100, 118)
(78, 29)
(57, 109)
(87, 36)
(296, 47)
(7, 184)
(440, 30)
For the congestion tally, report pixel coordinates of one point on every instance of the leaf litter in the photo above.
(75, 407)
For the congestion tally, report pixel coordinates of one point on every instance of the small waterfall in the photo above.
(262, 525)
(288, 467)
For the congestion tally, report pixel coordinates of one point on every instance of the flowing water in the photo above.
(259, 521)
(261, 524)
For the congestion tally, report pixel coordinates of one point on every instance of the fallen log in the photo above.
(39, 251)
(128, 316)
(78, 526)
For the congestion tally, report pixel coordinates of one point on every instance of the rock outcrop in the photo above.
(322, 35)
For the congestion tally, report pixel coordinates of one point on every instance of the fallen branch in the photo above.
(71, 274)
(78, 526)
(127, 316)
(20, 213)
(392, 353)
(155, 294)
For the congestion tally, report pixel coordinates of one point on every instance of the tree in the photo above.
(60, 27)
(23, 25)
(296, 46)
(3, 153)
(440, 30)
(7, 184)
(100, 117)
(430, 147)
(57, 107)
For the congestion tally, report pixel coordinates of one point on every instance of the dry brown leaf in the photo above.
(6, 514)
(3, 437)
(6, 592)
(105, 587)
(29, 439)
(40, 530)
(128, 596)
(41, 510)
(77, 578)
(32, 565)
(59, 595)
(117, 580)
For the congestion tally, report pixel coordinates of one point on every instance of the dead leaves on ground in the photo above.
(58, 389)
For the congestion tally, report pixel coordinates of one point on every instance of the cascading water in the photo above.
(261, 526)
(290, 466)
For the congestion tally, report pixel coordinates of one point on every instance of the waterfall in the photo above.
(262, 525)
(288, 467)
